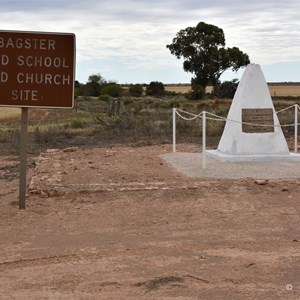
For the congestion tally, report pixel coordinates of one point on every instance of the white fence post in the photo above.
(203, 139)
(174, 130)
(296, 129)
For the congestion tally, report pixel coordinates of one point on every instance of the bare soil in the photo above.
(120, 223)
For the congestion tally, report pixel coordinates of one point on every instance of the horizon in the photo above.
(186, 83)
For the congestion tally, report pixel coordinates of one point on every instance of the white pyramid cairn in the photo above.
(252, 130)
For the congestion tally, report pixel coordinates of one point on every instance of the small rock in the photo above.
(110, 153)
(261, 181)
(44, 194)
(34, 191)
(52, 150)
(285, 189)
(70, 149)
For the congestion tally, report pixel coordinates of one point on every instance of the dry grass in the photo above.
(9, 112)
(142, 121)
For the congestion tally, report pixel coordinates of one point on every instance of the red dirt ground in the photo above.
(119, 223)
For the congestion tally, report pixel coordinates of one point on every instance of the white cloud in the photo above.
(127, 32)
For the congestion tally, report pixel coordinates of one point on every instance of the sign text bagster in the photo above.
(37, 69)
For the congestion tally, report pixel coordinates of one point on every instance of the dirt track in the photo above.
(120, 223)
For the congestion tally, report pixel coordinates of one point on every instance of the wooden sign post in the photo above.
(37, 69)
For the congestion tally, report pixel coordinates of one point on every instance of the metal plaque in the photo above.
(261, 120)
(37, 69)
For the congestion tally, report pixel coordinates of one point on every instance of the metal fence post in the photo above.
(203, 139)
(174, 130)
(296, 129)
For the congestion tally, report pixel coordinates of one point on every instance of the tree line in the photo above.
(98, 86)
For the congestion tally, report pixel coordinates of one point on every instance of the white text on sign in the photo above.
(27, 43)
(24, 95)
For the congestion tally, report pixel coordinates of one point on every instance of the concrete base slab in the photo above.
(267, 157)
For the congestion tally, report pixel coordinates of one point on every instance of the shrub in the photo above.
(174, 103)
(113, 90)
(225, 89)
(197, 92)
(136, 90)
(155, 88)
(104, 98)
(76, 124)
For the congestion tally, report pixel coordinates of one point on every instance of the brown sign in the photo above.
(37, 69)
(261, 120)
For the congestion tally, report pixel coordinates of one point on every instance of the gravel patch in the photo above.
(190, 164)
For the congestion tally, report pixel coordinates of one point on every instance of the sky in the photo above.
(125, 40)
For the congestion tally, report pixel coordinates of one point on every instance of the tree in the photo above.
(94, 84)
(78, 88)
(204, 53)
(155, 88)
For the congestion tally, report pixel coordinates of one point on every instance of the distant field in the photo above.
(284, 90)
(275, 90)
(178, 88)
